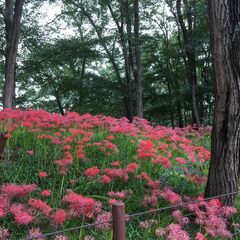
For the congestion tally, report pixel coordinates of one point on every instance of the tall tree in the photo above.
(123, 26)
(224, 166)
(13, 14)
(138, 79)
(190, 50)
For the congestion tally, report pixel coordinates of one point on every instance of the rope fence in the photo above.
(119, 219)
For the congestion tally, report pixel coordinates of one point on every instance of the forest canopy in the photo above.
(121, 58)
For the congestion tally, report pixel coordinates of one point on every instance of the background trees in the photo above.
(123, 57)
(12, 18)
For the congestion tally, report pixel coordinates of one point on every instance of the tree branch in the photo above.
(181, 22)
(110, 56)
(57, 16)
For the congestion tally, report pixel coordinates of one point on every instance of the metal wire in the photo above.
(179, 205)
(66, 230)
(131, 216)
(235, 234)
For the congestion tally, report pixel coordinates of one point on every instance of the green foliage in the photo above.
(56, 71)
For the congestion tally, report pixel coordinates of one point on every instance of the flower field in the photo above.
(64, 171)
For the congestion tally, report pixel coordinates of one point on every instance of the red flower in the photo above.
(2, 213)
(21, 214)
(171, 196)
(92, 172)
(112, 201)
(67, 147)
(105, 179)
(163, 161)
(23, 218)
(80, 205)
(7, 135)
(200, 236)
(181, 160)
(40, 205)
(30, 152)
(43, 174)
(116, 164)
(46, 193)
(103, 217)
(60, 216)
(132, 167)
(14, 190)
(110, 137)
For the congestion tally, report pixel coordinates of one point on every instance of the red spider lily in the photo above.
(40, 206)
(81, 206)
(43, 174)
(59, 217)
(14, 190)
(46, 193)
(92, 172)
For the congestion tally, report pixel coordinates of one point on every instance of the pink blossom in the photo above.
(35, 233)
(40, 205)
(103, 217)
(105, 179)
(60, 216)
(14, 190)
(43, 174)
(177, 214)
(46, 193)
(200, 236)
(92, 172)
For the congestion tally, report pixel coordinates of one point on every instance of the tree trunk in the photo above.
(224, 166)
(138, 79)
(127, 62)
(128, 108)
(61, 110)
(190, 52)
(125, 86)
(13, 16)
(180, 118)
(170, 103)
(192, 79)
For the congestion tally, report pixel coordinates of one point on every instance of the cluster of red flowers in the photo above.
(92, 172)
(65, 162)
(80, 206)
(213, 216)
(146, 148)
(107, 147)
(121, 195)
(14, 190)
(152, 148)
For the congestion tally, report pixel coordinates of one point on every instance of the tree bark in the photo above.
(180, 118)
(127, 61)
(13, 16)
(224, 166)
(170, 103)
(138, 79)
(59, 103)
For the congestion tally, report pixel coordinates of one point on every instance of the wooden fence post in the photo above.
(3, 141)
(119, 221)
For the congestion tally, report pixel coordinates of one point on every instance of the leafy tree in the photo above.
(121, 44)
(123, 54)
